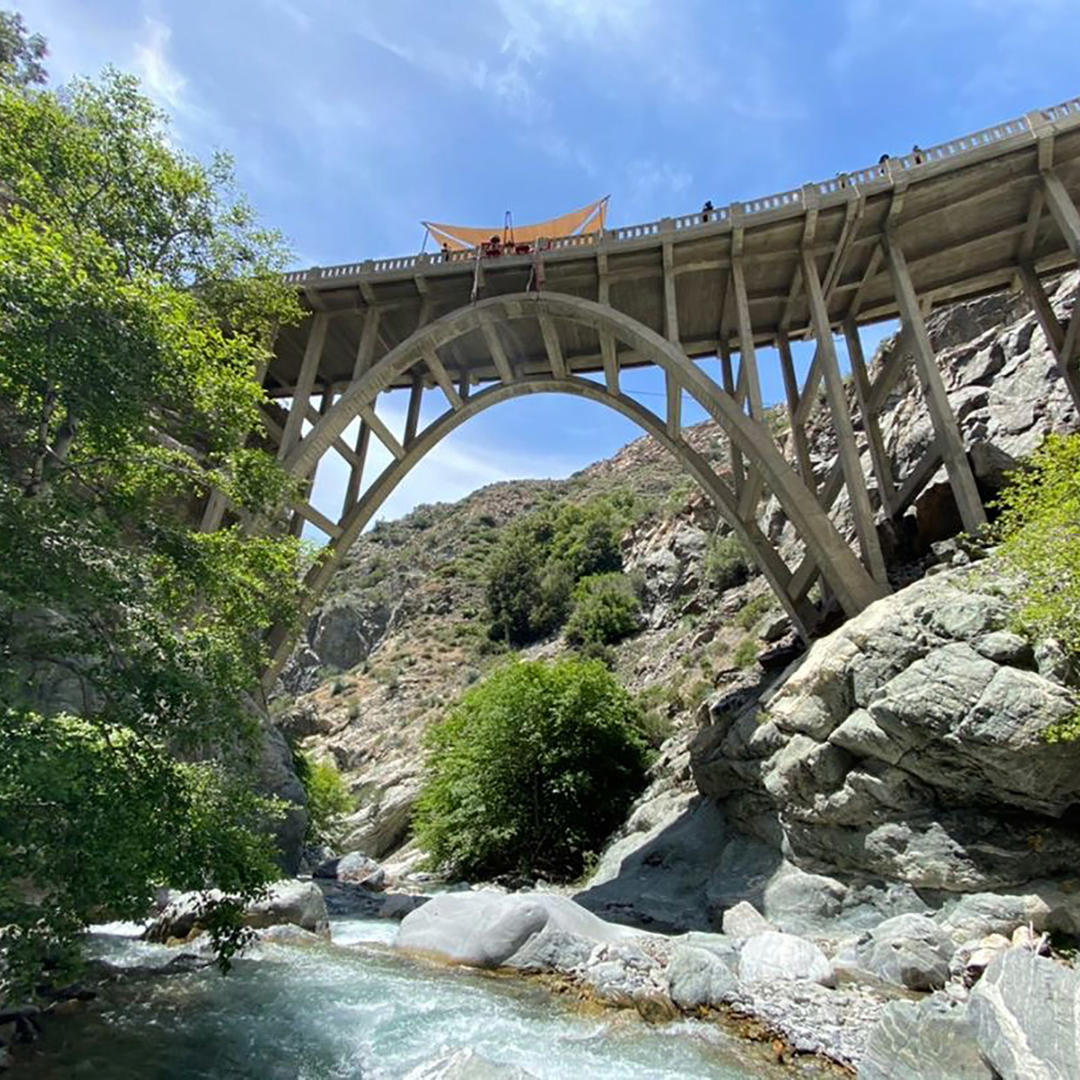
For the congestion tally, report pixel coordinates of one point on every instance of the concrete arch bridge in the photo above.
(690, 295)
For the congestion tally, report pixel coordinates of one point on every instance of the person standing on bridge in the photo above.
(706, 211)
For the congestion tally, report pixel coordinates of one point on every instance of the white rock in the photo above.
(773, 955)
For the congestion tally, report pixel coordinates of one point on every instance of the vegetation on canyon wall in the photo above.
(533, 571)
(531, 771)
(1040, 525)
(138, 300)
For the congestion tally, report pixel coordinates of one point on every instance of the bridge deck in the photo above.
(965, 216)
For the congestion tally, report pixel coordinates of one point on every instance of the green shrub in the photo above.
(1040, 532)
(746, 653)
(531, 770)
(532, 570)
(606, 610)
(752, 611)
(328, 797)
(726, 564)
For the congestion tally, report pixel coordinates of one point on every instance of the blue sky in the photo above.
(351, 120)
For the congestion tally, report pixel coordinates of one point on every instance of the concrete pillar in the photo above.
(945, 426)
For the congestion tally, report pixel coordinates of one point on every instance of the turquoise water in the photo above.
(352, 1009)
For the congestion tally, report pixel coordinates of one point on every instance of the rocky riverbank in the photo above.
(996, 1005)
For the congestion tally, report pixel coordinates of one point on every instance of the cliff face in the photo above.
(403, 630)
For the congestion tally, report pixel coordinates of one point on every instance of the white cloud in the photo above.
(151, 63)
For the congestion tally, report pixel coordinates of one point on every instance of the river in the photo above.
(356, 1008)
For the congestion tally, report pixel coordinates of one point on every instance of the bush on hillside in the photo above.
(726, 564)
(537, 561)
(328, 797)
(606, 610)
(1040, 530)
(531, 771)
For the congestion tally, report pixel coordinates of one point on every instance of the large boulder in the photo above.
(1025, 1011)
(910, 951)
(927, 1040)
(354, 868)
(487, 929)
(908, 747)
(744, 920)
(772, 955)
(299, 903)
(701, 977)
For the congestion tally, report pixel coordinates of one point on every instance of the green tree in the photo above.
(531, 771)
(606, 610)
(726, 564)
(1040, 531)
(138, 300)
(21, 54)
(533, 569)
(328, 797)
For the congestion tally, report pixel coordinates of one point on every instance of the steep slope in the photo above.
(403, 629)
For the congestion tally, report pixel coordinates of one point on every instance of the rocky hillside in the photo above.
(403, 629)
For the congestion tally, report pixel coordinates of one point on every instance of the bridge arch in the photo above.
(826, 548)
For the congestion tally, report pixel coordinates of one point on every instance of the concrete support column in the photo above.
(1063, 211)
(879, 458)
(798, 430)
(412, 417)
(863, 513)
(945, 426)
(305, 380)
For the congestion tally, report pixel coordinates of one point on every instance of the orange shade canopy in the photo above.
(465, 237)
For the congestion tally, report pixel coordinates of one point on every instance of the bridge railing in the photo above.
(1067, 110)
(881, 175)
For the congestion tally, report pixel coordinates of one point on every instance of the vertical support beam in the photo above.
(412, 417)
(1040, 303)
(305, 380)
(1063, 211)
(552, 345)
(607, 341)
(747, 356)
(738, 475)
(356, 473)
(749, 384)
(496, 350)
(841, 418)
(463, 385)
(1062, 341)
(879, 458)
(611, 361)
(671, 306)
(296, 523)
(945, 426)
(365, 355)
(674, 405)
(798, 429)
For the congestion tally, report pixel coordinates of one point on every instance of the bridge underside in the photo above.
(888, 242)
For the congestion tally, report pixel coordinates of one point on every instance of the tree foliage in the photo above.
(138, 301)
(539, 559)
(726, 563)
(531, 771)
(21, 54)
(328, 797)
(1040, 531)
(606, 610)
